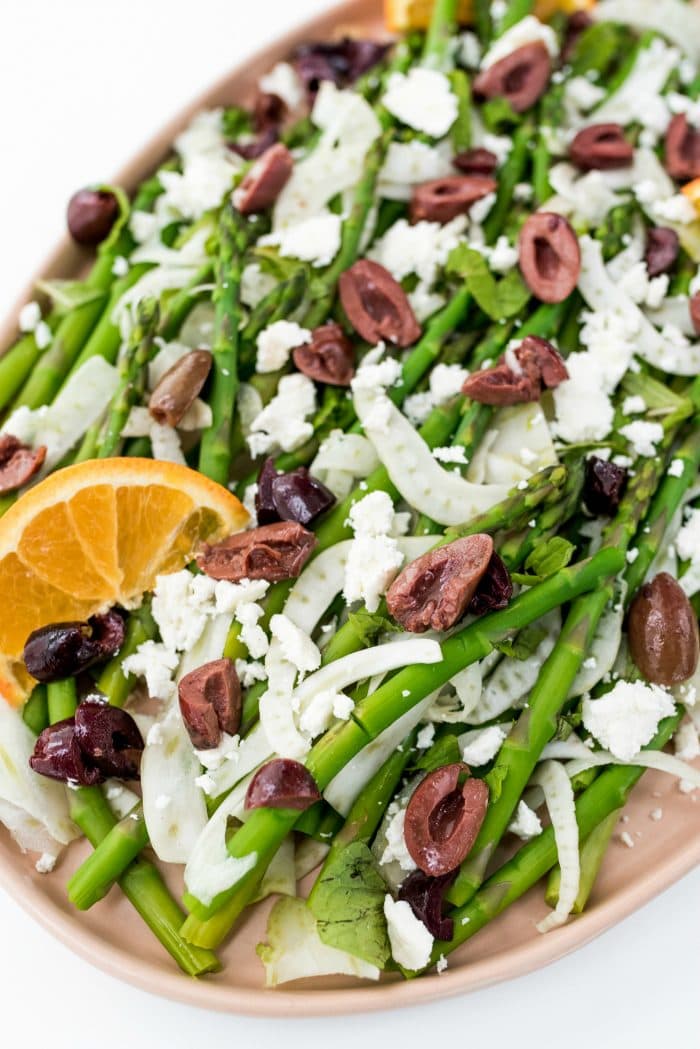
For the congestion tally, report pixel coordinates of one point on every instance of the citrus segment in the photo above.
(96, 535)
(415, 14)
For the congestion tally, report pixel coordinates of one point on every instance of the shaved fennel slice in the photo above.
(674, 311)
(645, 81)
(43, 800)
(677, 21)
(308, 856)
(522, 445)
(580, 758)
(346, 786)
(552, 777)
(467, 684)
(211, 869)
(513, 678)
(169, 768)
(317, 586)
(443, 495)
(294, 950)
(601, 293)
(29, 833)
(343, 457)
(252, 751)
(604, 647)
(80, 403)
(280, 877)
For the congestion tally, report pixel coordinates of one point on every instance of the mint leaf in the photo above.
(547, 558)
(369, 625)
(348, 905)
(499, 299)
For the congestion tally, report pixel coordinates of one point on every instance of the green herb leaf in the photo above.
(494, 780)
(348, 905)
(596, 48)
(547, 558)
(67, 295)
(235, 122)
(499, 299)
(498, 115)
(369, 625)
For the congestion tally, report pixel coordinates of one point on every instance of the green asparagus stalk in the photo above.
(132, 377)
(215, 450)
(35, 712)
(110, 859)
(515, 12)
(440, 35)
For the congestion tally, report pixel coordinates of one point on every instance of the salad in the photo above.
(350, 519)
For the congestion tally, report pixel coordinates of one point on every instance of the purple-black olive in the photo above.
(282, 784)
(57, 754)
(297, 496)
(62, 650)
(109, 739)
(425, 896)
(91, 215)
(603, 487)
(495, 589)
(264, 505)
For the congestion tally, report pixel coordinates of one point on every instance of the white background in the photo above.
(82, 84)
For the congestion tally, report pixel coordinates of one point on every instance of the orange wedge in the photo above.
(691, 190)
(96, 535)
(415, 14)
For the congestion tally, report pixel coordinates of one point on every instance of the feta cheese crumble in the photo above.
(276, 343)
(626, 718)
(374, 558)
(423, 99)
(396, 851)
(29, 316)
(411, 943)
(297, 647)
(526, 824)
(643, 436)
(481, 746)
(282, 424)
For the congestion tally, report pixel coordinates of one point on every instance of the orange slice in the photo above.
(95, 535)
(415, 14)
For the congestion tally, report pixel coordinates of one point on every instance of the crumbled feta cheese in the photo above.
(503, 256)
(425, 737)
(372, 565)
(227, 749)
(422, 249)
(29, 316)
(626, 718)
(528, 30)
(676, 468)
(252, 635)
(523, 192)
(155, 662)
(408, 164)
(481, 209)
(441, 964)
(411, 943)
(686, 741)
(375, 372)
(582, 387)
(206, 783)
(250, 672)
(632, 555)
(446, 381)
(634, 405)
(481, 746)
(656, 815)
(395, 850)
(46, 863)
(282, 423)
(451, 454)
(582, 94)
(297, 647)
(675, 209)
(526, 824)
(372, 515)
(181, 605)
(640, 97)
(42, 335)
(423, 99)
(276, 343)
(643, 436)
(284, 81)
(469, 50)
(315, 240)
(343, 706)
(627, 839)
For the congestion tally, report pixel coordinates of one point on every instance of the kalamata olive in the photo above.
(109, 739)
(662, 250)
(694, 310)
(340, 61)
(494, 590)
(282, 784)
(269, 111)
(210, 702)
(444, 818)
(443, 199)
(273, 552)
(662, 631)
(299, 497)
(433, 592)
(601, 147)
(179, 387)
(57, 755)
(377, 306)
(521, 77)
(257, 146)
(604, 486)
(265, 181)
(478, 161)
(426, 897)
(65, 649)
(264, 505)
(541, 367)
(682, 149)
(91, 215)
(18, 463)
(328, 358)
(550, 256)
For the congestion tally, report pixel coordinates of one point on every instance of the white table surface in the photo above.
(82, 84)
